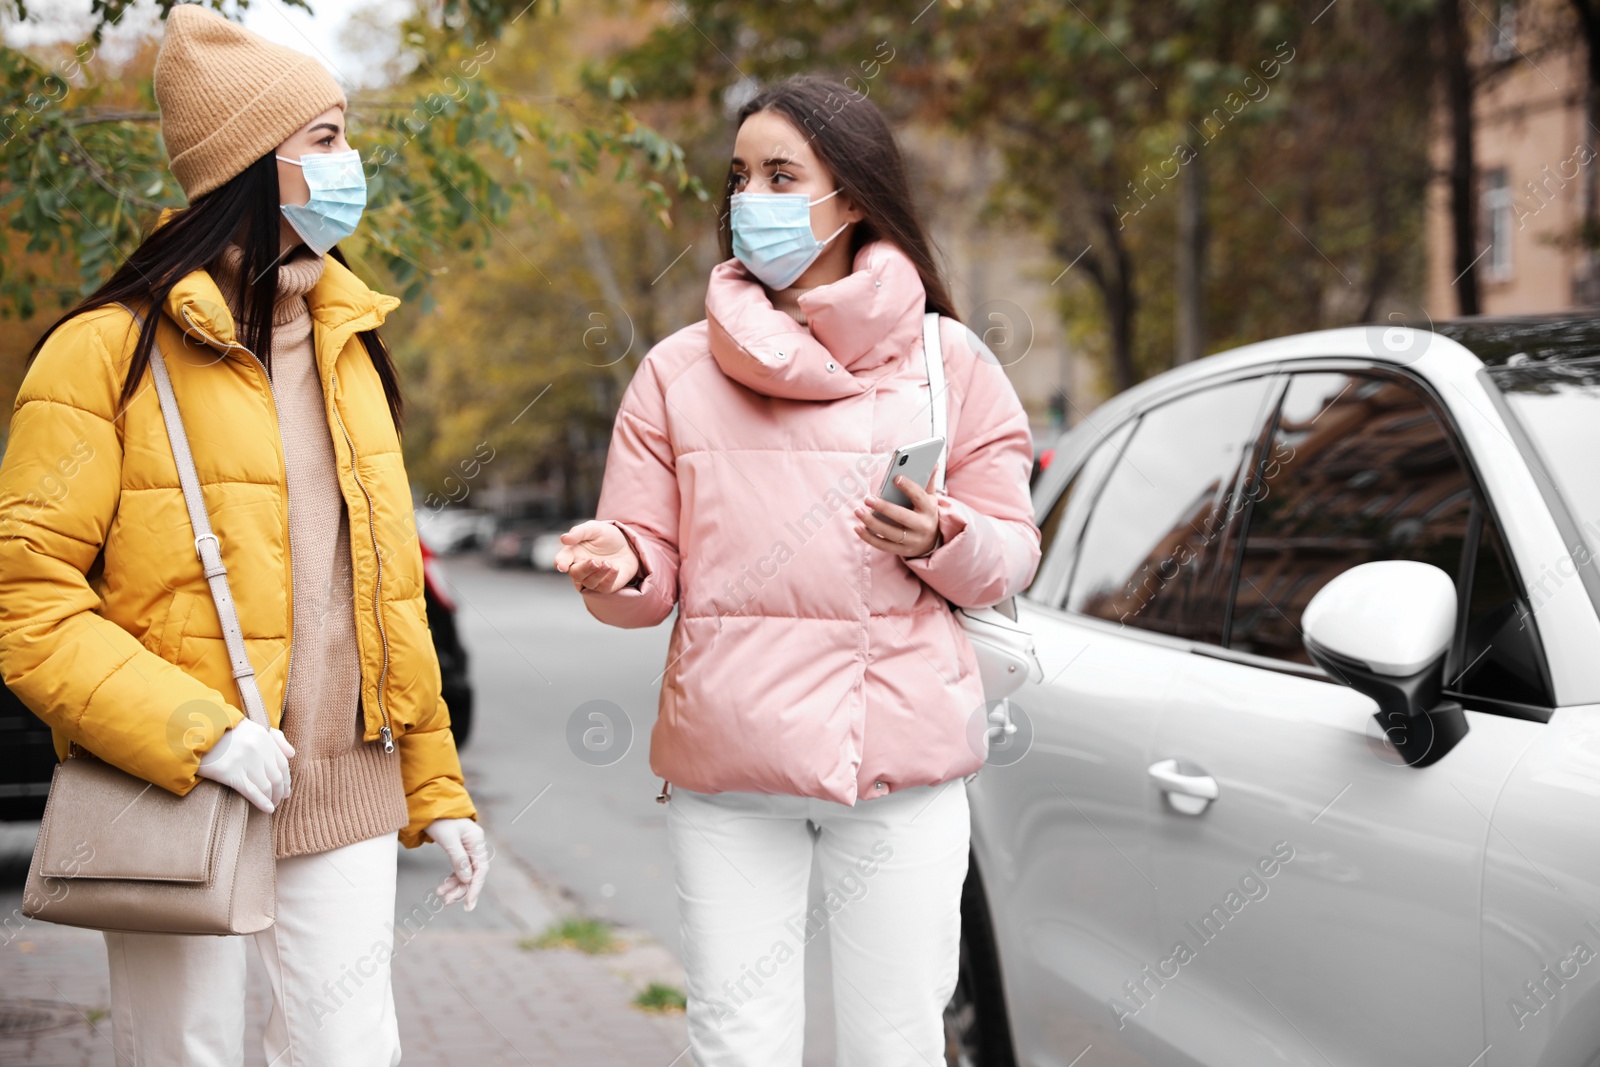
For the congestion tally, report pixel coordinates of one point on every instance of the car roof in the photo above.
(1400, 345)
(1495, 340)
(1491, 340)
(1433, 354)
(1470, 344)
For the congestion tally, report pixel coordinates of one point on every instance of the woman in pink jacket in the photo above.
(818, 693)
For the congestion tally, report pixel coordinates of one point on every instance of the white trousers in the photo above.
(178, 999)
(892, 870)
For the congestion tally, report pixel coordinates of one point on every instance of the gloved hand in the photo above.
(463, 841)
(252, 759)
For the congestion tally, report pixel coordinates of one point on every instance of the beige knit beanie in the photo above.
(229, 96)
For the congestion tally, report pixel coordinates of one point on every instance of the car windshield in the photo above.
(1557, 405)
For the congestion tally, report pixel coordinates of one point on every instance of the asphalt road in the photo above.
(571, 794)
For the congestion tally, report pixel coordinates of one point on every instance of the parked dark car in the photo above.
(27, 758)
(447, 644)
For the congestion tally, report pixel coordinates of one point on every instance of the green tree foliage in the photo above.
(82, 169)
(475, 160)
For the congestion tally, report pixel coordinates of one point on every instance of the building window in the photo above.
(1497, 228)
(1503, 37)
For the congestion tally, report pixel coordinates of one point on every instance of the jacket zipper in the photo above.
(288, 560)
(377, 555)
(385, 732)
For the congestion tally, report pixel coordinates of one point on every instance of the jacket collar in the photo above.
(340, 302)
(859, 326)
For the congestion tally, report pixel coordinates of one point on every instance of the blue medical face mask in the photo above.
(772, 235)
(338, 196)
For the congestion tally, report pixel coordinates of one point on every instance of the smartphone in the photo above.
(916, 461)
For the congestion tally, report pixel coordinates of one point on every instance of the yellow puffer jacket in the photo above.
(107, 627)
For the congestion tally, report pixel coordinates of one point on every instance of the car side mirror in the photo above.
(1383, 629)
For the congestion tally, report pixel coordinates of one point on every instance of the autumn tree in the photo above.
(1162, 152)
(83, 172)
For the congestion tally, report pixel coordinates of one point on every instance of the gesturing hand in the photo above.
(463, 841)
(596, 556)
(253, 760)
(909, 531)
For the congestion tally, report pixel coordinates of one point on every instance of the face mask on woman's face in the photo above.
(338, 195)
(772, 235)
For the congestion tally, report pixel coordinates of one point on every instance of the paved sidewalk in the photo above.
(465, 992)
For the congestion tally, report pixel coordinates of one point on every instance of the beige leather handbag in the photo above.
(118, 853)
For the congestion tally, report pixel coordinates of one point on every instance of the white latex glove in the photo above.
(252, 759)
(463, 841)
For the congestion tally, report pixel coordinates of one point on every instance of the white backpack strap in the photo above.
(938, 403)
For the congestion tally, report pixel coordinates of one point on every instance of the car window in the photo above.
(1501, 657)
(1364, 471)
(1164, 503)
(1059, 531)
(1557, 405)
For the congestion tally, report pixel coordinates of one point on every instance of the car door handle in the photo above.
(1167, 775)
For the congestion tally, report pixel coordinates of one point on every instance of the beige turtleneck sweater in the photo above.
(342, 789)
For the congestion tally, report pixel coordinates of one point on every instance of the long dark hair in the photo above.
(243, 211)
(853, 140)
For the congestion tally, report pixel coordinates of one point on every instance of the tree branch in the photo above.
(103, 180)
(94, 119)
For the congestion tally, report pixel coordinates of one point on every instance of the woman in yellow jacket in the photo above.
(107, 627)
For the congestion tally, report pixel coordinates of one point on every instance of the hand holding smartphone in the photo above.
(917, 462)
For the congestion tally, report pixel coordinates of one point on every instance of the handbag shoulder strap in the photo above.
(206, 545)
(938, 403)
(939, 407)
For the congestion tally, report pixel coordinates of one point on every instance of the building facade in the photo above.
(1534, 157)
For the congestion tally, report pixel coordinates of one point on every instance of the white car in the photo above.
(451, 530)
(1205, 845)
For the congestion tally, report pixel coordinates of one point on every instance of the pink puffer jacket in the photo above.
(804, 662)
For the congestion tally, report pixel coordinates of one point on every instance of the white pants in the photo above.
(892, 870)
(178, 999)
